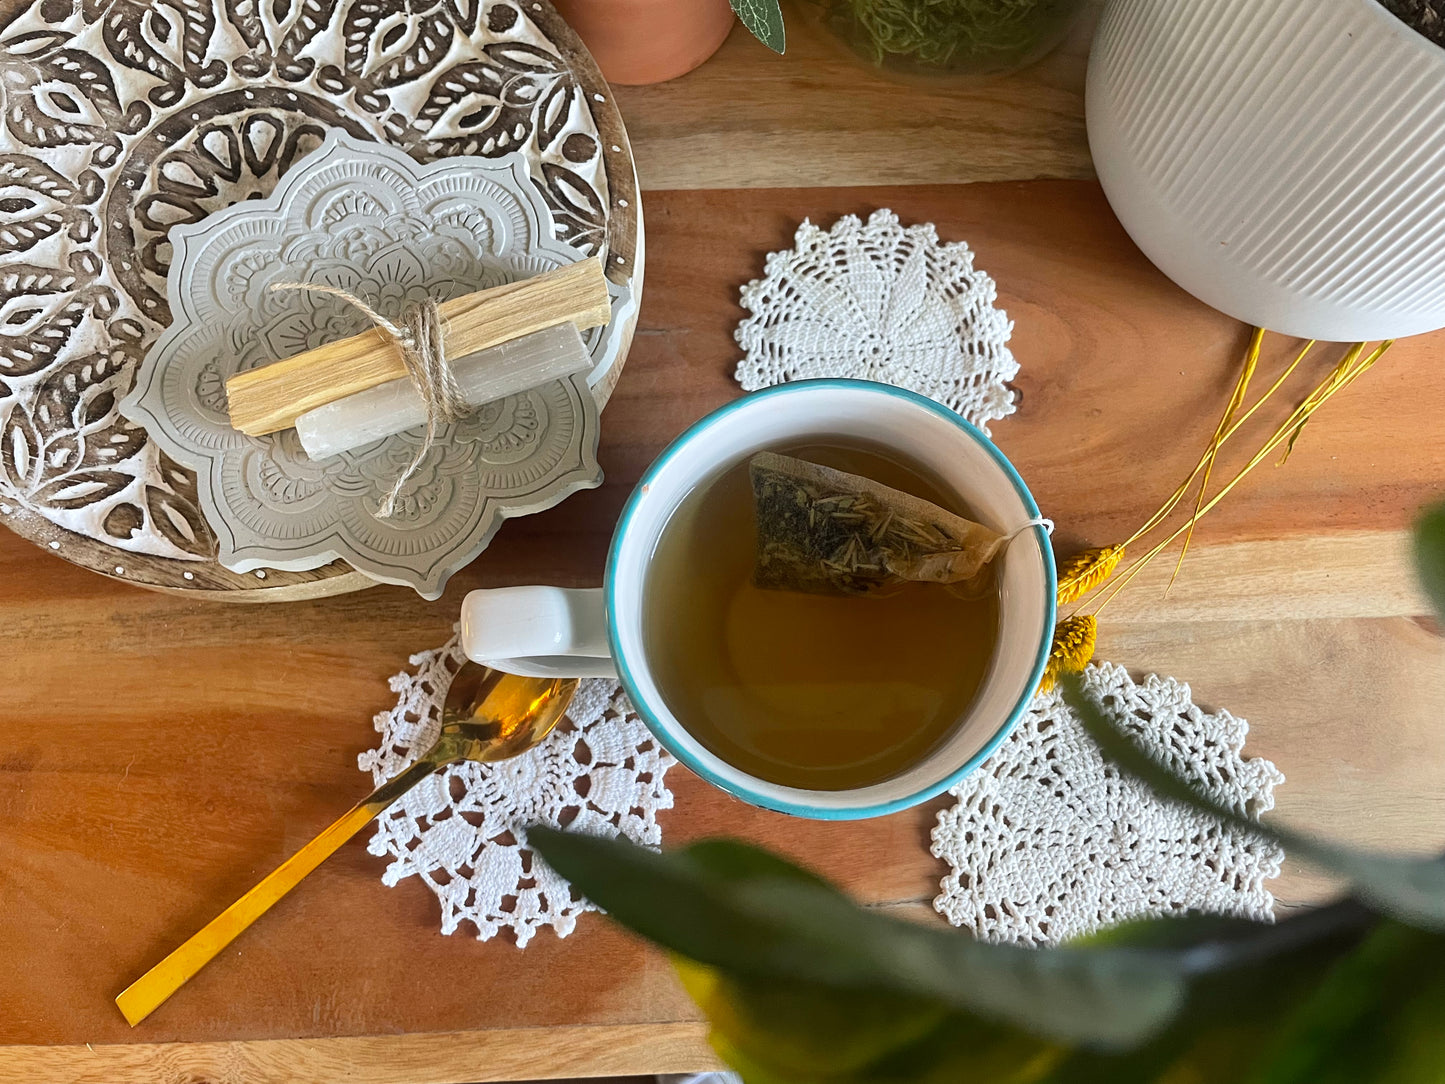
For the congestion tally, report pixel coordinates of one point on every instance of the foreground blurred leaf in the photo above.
(883, 1026)
(1430, 555)
(1410, 889)
(1247, 977)
(753, 917)
(777, 1032)
(815, 1035)
(1206, 944)
(782, 1029)
(1376, 1018)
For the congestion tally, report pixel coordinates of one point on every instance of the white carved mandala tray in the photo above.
(370, 221)
(124, 118)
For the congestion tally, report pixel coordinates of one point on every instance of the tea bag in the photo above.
(824, 531)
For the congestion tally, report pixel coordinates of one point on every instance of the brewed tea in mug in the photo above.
(815, 691)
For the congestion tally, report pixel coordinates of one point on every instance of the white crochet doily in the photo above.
(1048, 841)
(880, 301)
(462, 831)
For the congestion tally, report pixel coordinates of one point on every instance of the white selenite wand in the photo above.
(483, 377)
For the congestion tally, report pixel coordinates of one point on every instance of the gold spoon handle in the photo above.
(145, 995)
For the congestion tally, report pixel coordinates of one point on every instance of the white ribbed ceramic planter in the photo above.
(1282, 160)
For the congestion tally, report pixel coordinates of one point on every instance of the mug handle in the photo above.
(538, 631)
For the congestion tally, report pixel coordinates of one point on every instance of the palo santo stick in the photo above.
(271, 398)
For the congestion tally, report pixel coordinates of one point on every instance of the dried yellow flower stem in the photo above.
(1246, 372)
(1085, 571)
(1074, 642)
(1169, 505)
(1349, 369)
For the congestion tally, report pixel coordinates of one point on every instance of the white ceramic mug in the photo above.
(549, 631)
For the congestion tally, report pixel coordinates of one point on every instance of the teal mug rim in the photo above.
(802, 809)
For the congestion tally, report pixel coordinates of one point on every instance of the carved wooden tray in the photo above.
(139, 120)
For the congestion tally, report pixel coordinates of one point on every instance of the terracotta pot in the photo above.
(648, 41)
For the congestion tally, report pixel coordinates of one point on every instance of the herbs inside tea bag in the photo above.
(825, 531)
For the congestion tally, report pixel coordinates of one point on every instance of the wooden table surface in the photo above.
(159, 754)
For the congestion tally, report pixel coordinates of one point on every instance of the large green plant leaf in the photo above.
(1375, 1019)
(1246, 977)
(1430, 555)
(765, 19)
(1214, 945)
(813, 1035)
(1410, 889)
(882, 1019)
(778, 1032)
(732, 908)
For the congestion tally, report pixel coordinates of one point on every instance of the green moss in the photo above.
(949, 35)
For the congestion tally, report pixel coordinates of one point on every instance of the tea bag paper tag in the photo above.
(825, 531)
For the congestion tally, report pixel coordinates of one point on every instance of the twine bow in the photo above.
(418, 336)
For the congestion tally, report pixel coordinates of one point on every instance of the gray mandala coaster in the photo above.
(369, 220)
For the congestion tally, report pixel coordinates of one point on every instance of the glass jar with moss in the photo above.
(950, 37)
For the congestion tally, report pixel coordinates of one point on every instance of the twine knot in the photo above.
(418, 335)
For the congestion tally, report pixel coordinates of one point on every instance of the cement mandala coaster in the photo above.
(369, 220)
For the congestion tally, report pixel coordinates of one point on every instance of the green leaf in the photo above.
(765, 19)
(734, 909)
(1430, 555)
(1223, 1027)
(1204, 945)
(1375, 1019)
(727, 858)
(789, 1030)
(780, 1033)
(1108, 997)
(1410, 889)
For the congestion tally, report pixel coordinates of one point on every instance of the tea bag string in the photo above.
(418, 336)
(1003, 541)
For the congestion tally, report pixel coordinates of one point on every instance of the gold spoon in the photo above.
(488, 716)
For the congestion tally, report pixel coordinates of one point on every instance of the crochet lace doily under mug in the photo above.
(1048, 841)
(463, 830)
(878, 300)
